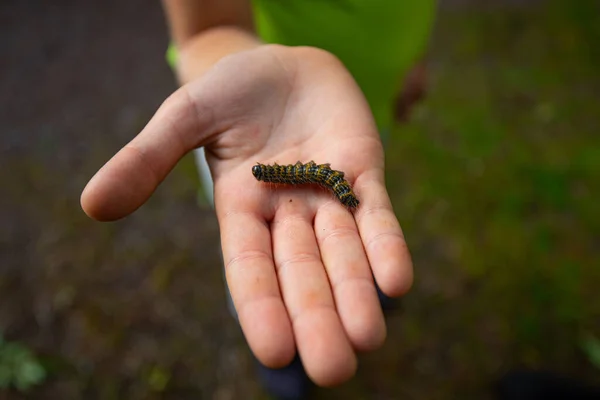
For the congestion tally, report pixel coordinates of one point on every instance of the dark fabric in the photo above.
(288, 383)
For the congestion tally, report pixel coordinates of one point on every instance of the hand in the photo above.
(299, 265)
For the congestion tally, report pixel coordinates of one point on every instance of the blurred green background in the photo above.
(494, 180)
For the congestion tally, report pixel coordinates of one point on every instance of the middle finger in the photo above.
(323, 346)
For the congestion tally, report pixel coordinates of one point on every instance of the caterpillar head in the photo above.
(257, 171)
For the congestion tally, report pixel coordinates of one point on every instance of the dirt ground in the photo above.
(136, 309)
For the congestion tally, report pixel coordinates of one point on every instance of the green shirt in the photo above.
(377, 40)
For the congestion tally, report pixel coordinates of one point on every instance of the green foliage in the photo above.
(158, 378)
(19, 367)
(591, 347)
(494, 183)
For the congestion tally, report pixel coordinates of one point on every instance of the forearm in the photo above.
(204, 31)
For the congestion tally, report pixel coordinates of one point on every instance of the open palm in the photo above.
(299, 265)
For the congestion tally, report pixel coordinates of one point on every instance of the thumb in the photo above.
(129, 178)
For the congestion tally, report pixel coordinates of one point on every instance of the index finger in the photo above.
(252, 280)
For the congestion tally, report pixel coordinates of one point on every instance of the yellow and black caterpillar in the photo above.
(310, 172)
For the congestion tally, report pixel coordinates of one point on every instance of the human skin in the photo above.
(299, 265)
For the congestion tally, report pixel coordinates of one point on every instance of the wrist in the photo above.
(199, 53)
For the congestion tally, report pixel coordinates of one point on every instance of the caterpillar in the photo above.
(310, 172)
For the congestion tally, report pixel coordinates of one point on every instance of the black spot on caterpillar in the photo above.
(310, 172)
